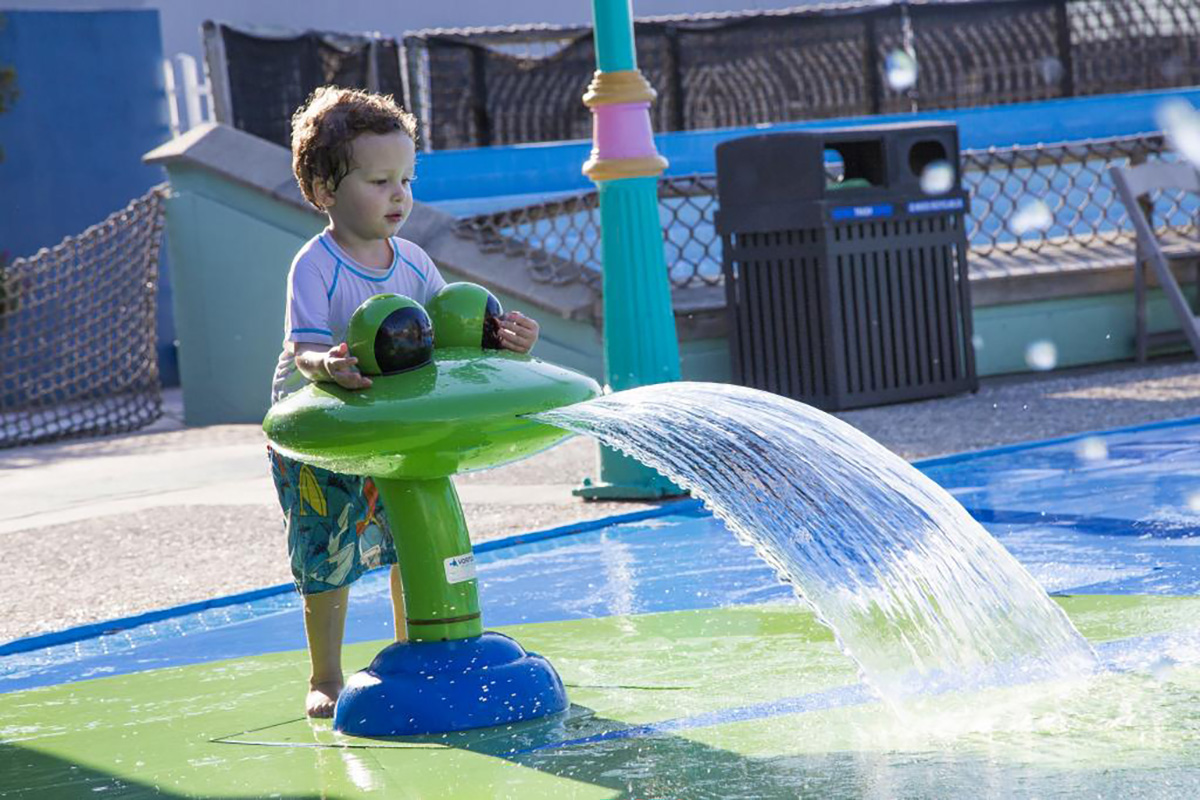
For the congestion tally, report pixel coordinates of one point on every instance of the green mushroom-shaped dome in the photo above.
(438, 404)
(390, 333)
(465, 315)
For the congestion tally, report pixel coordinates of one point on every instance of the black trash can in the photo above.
(847, 291)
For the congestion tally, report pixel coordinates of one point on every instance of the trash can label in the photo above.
(939, 205)
(861, 212)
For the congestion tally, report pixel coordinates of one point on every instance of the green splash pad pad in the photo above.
(722, 703)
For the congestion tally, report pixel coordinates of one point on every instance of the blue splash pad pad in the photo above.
(1123, 525)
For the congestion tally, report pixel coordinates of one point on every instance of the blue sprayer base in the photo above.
(415, 688)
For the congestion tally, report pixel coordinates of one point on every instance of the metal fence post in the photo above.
(1062, 20)
(479, 88)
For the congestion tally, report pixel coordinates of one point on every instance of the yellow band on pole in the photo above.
(611, 169)
(623, 86)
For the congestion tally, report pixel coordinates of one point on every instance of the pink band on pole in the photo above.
(622, 130)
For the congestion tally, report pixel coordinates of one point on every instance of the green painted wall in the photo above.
(1084, 330)
(1095, 329)
(231, 247)
(229, 269)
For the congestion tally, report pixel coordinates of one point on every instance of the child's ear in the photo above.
(323, 193)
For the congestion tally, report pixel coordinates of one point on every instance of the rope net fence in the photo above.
(77, 330)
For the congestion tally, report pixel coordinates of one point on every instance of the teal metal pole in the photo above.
(640, 342)
(613, 35)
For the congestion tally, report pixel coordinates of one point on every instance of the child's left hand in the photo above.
(518, 332)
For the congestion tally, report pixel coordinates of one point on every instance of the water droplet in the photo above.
(1161, 667)
(1172, 68)
(1033, 216)
(1051, 69)
(1091, 449)
(1041, 355)
(937, 177)
(901, 69)
(1181, 125)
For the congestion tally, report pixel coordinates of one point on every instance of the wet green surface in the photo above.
(463, 411)
(232, 729)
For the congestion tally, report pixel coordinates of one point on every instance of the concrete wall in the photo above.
(231, 248)
(234, 222)
(1085, 330)
(232, 242)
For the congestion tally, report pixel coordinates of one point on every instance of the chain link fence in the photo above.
(1057, 203)
(77, 329)
(1035, 208)
(492, 86)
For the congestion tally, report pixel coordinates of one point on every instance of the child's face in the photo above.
(375, 197)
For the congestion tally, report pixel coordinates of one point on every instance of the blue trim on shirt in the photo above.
(414, 268)
(340, 263)
(365, 277)
(337, 271)
(312, 330)
(328, 249)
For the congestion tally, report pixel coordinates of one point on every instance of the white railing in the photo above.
(189, 90)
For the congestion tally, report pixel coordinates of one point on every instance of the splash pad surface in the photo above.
(692, 672)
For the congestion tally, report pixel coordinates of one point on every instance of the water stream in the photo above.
(915, 590)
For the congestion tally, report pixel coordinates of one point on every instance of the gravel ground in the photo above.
(119, 564)
(1019, 409)
(126, 564)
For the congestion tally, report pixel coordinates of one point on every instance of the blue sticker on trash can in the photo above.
(861, 212)
(942, 204)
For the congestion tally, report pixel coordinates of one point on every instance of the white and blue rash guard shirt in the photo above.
(326, 285)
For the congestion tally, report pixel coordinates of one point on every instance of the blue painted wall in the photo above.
(91, 103)
(554, 167)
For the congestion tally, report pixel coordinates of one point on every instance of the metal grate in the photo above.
(77, 327)
(796, 283)
(904, 274)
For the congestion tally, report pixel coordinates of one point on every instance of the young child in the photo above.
(354, 156)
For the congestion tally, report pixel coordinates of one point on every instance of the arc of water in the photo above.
(915, 590)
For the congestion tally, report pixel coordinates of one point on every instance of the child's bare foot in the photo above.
(322, 697)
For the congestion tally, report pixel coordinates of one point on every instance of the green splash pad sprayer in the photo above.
(444, 399)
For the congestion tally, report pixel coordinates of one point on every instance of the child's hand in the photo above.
(518, 332)
(342, 368)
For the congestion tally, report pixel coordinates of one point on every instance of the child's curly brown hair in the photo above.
(324, 128)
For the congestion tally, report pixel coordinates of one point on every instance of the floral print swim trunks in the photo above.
(335, 523)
